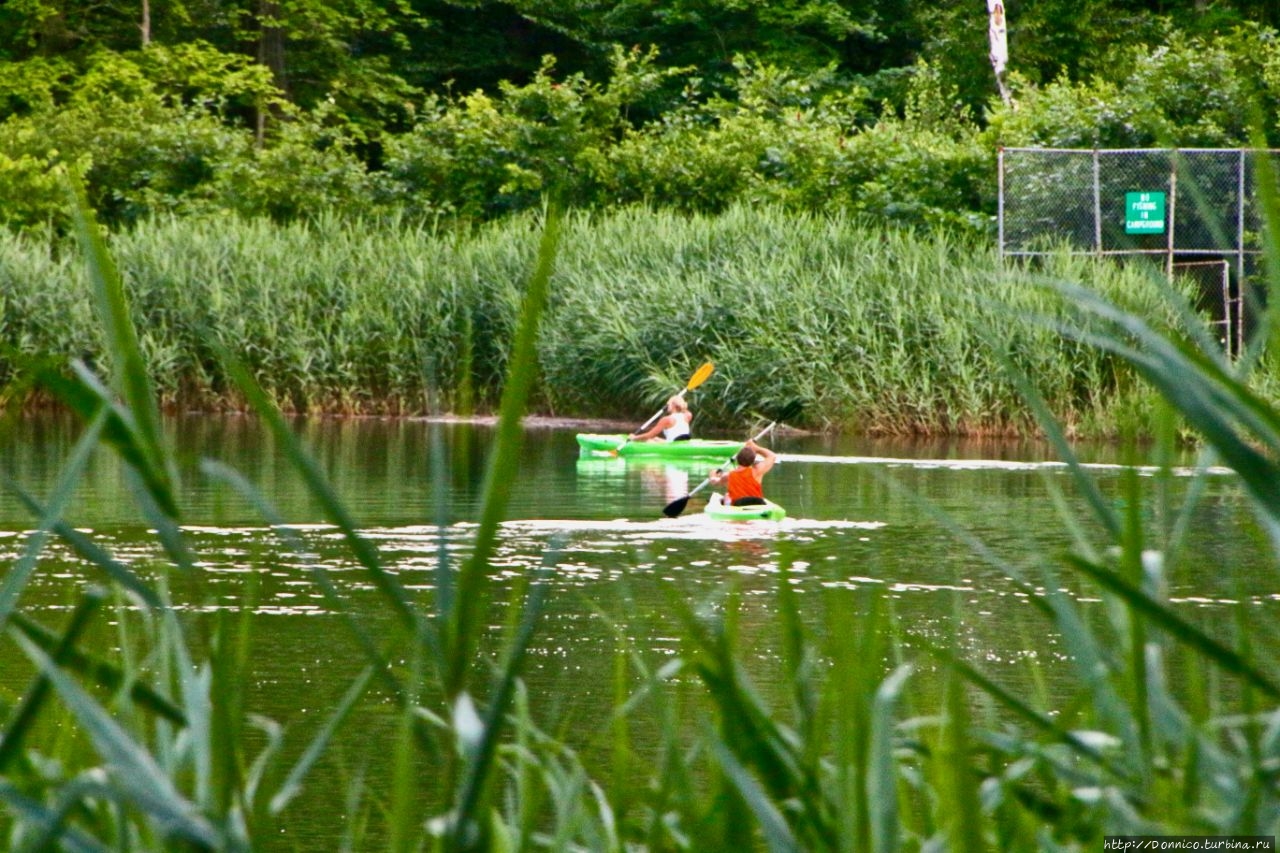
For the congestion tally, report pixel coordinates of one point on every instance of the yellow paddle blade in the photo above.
(700, 376)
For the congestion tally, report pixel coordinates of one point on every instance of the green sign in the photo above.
(1144, 213)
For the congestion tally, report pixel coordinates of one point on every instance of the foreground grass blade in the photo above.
(52, 823)
(237, 481)
(1269, 198)
(1186, 632)
(882, 770)
(132, 378)
(1053, 430)
(1094, 662)
(957, 781)
(107, 675)
(777, 833)
(1026, 712)
(132, 768)
(466, 814)
(84, 394)
(14, 734)
(755, 736)
(15, 580)
(1217, 404)
(292, 784)
(318, 486)
(90, 551)
(503, 462)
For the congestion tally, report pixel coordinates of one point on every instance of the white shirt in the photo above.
(679, 428)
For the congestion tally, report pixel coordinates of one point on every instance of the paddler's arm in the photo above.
(662, 424)
(765, 460)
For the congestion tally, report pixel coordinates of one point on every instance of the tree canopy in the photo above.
(475, 108)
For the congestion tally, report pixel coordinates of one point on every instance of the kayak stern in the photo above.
(719, 510)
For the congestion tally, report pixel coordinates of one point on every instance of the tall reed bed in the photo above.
(874, 330)
(884, 739)
(326, 317)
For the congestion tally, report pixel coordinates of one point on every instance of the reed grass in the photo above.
(881, 739)
(874, 330)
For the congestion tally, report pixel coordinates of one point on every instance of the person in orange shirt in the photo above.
(744, 483)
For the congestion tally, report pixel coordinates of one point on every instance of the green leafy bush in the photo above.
(483, 156)
(164, 131)
(175, 129)
(1191, 92)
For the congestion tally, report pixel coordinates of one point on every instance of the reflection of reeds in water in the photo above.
(883, 737)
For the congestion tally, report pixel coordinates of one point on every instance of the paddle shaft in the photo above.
(644, 426)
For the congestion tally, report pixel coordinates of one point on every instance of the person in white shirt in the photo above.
(673, 426)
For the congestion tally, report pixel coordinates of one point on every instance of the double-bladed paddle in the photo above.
(677, 506)
(699, 376)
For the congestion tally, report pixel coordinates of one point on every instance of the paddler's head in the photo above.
(746, 457)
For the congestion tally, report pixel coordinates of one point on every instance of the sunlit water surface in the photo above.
(900, 518)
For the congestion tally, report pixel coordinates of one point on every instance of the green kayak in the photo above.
(719, 510)
(698, 448)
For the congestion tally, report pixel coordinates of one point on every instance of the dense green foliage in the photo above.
(419, 119)
(886, 738)
(198, 124)
(437, 108)
(872, 330)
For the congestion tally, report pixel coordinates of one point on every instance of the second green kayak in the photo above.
(698, 448)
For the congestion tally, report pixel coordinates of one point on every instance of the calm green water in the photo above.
(856, 521)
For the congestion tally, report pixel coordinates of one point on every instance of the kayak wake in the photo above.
(992, 464)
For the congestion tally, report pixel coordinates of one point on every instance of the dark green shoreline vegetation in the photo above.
(874, 330)
(355, 235)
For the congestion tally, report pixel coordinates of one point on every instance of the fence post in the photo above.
(1097, 203)
(1240, 280)
(1173, 208)
(1000, 199)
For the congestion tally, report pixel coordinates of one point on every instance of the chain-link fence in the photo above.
(1193, 210)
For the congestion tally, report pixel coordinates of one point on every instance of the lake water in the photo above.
(862, 514)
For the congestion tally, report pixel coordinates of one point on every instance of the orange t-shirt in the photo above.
(742, 483)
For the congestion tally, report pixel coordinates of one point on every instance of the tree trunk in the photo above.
(270, 54)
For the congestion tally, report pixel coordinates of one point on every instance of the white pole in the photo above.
(997, 34)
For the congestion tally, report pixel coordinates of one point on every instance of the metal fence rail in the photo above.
(1182, 206)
